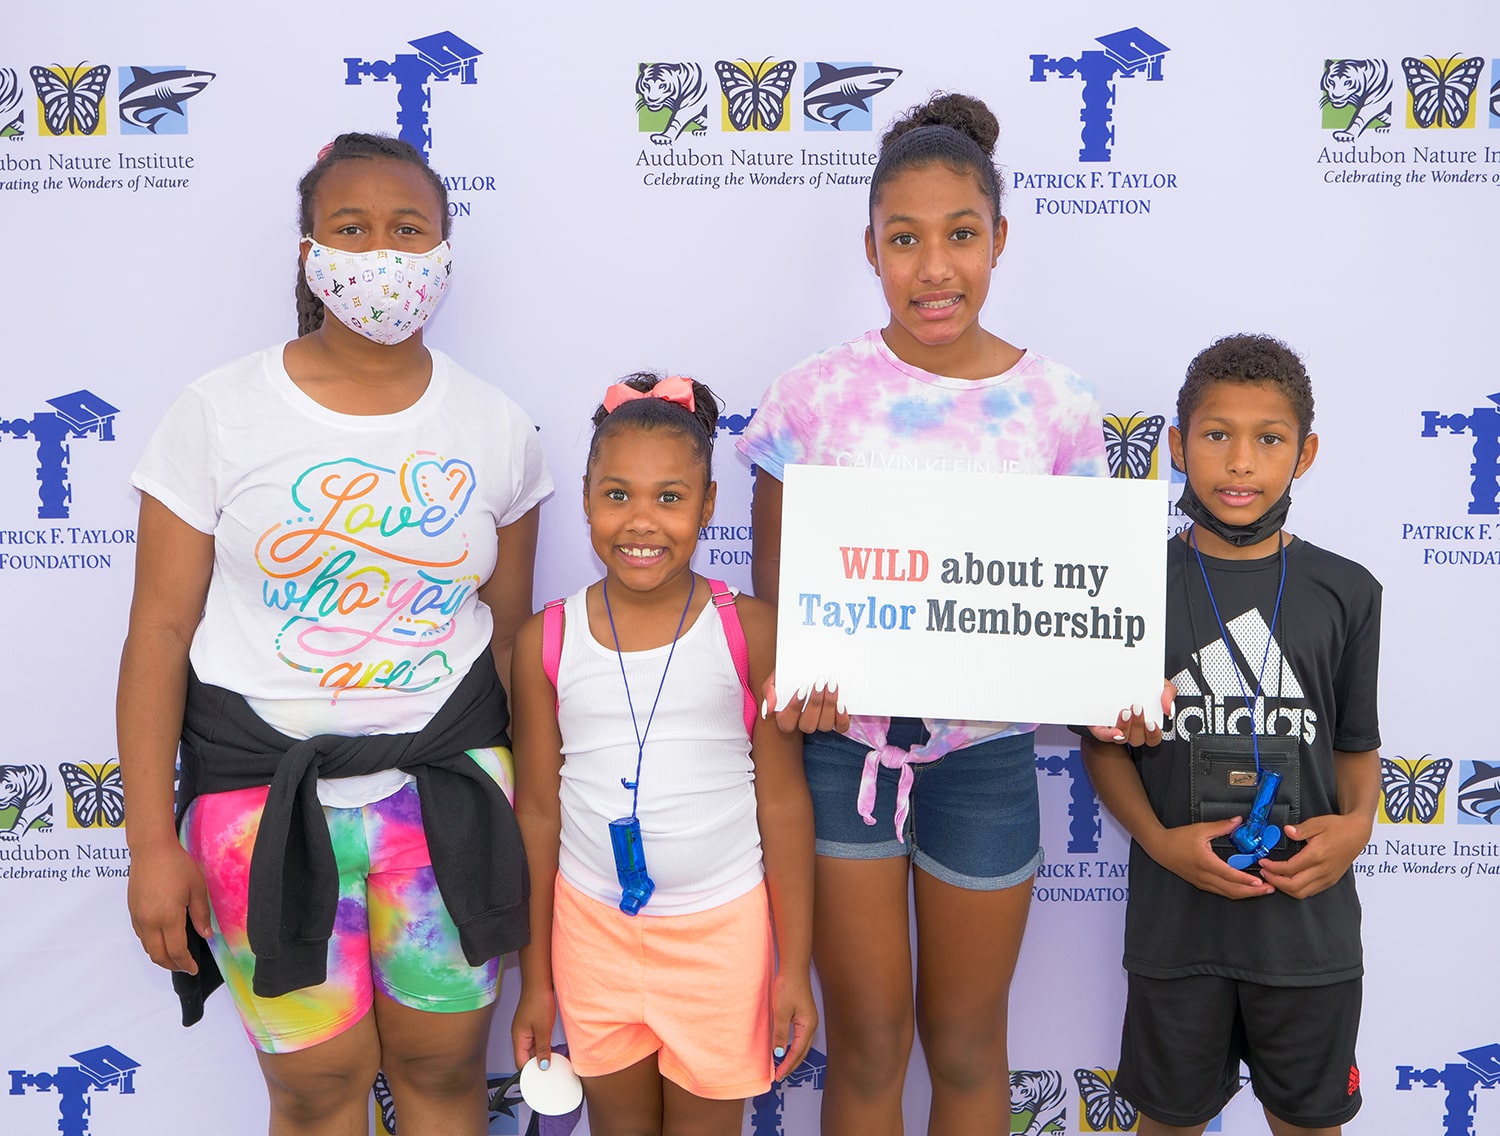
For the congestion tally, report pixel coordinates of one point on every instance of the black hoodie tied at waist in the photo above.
(477, 856)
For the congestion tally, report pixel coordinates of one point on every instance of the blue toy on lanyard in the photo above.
(636, 886)
(1255, 838)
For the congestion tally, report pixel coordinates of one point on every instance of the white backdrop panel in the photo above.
(572, 268)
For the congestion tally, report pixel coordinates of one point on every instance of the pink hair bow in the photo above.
(675, 388)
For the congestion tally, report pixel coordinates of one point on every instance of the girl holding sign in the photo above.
(954, 800)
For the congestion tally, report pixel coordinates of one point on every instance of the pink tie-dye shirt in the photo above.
(857, 405)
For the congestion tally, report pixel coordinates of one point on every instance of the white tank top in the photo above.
(697, 792)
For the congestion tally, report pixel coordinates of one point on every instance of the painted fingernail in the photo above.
(780, 1052)
(841, 707)
(1137, 710)
(802, 694)
(1151, 727)
(765, 707)
(544, 1064)
(1172, 709)
(1119, 737)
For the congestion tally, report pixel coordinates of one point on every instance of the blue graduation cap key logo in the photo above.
(438, 58)
(78, 415)
(99, 1069)
(1125, 53)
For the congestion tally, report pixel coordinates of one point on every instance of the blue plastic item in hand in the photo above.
(630, 864)
(1255, 838)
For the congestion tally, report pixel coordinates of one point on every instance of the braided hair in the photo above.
(344, 148)
(957, 130)
(698, 425)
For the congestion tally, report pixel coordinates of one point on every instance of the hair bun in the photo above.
(963, 113)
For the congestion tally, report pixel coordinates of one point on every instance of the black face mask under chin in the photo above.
(1268, 525)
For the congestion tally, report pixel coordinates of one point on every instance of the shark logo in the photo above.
(837, 95)
(1283, 710)
(1126, 54)
(1480, 1070)
(1479, 793)
(438, 58)
(98, 1070)
(151, 98)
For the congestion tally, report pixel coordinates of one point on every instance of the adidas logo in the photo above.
(1231, 674)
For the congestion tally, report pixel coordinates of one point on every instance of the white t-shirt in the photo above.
(348, 549)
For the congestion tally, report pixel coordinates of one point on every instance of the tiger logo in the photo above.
(23, 788)
(677, 88)
(1361, 84)
(1039, 1092)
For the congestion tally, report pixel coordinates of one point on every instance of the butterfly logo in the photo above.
(95, 793)
(386, 1103)
(1104, 1109)
(1441, 89)
(1412, 790)
(755, 94)
(10, 99)
(1130, 444)
(72, 98)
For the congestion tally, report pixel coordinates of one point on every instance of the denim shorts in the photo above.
(973, 821)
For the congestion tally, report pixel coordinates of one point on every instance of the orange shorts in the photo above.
(693, 989)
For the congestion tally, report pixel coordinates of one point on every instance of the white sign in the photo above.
(1007, 598)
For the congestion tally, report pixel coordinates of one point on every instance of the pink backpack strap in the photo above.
(739, 651)
(552, 634)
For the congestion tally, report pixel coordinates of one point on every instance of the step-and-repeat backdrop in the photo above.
(1330, 174)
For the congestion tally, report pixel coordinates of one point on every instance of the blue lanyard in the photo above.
(640, 738)
(1270, 638)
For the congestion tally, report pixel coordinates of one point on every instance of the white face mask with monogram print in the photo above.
(383, 294)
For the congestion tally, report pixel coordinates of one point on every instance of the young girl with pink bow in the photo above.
(668, 827)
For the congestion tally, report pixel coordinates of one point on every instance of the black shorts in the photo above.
(1184, 1039)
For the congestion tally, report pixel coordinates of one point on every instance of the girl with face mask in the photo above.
(335, 550)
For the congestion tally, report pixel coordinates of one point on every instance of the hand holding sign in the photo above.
(806, 710)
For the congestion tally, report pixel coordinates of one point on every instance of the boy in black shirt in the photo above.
(1272, 644)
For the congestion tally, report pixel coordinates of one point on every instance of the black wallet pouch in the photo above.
(1223, 783)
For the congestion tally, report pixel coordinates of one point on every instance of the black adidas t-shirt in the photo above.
(1319, 683)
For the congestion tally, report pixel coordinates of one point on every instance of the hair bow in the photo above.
(674, 388)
